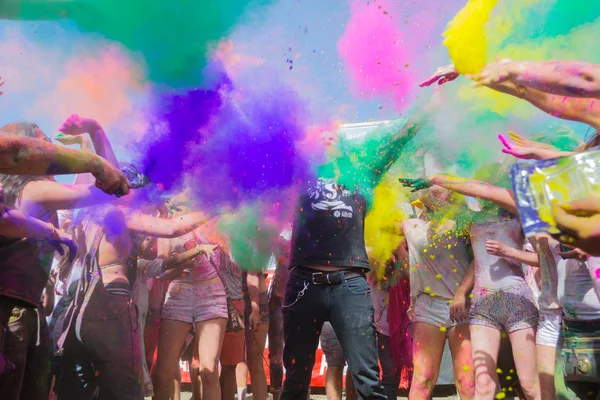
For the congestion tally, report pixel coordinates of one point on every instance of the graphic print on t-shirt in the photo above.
(327, 195)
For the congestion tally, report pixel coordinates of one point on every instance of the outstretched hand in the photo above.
(415, 184)
(444, 74)
(518, 151)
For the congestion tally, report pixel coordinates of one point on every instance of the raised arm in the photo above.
(76, 125)
(28, 156)
(564, 78)
(504, 198)
(164, 228)
(572, 108)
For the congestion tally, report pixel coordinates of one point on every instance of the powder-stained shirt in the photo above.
(576, 290)
(438, 259)
(494, 272)
(200, 267)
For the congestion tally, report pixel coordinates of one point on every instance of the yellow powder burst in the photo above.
(438, 276)
(501, 395)
(466, 36)
(443, 329)
(383, 231)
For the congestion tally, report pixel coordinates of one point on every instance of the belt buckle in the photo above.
(314, 275)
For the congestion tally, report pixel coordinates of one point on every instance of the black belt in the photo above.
(324, 278)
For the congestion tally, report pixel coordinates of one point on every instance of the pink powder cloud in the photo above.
(99, 86)
(377, 53)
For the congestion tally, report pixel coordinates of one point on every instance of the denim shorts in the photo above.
(195, 302)
(434, 311)
(511, 308)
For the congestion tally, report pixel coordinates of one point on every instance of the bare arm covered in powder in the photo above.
(502, 197)
(568, 106)
(28, 156)
(564, 78)
(76, 125)
(164, 228)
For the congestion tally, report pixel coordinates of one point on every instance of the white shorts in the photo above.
(548, 329)
(434, 311)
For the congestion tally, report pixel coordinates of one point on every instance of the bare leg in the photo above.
(255, 353)
(195, 375)
(209, 335)
(228, 383)
(459, 340)
(350, 391)
(428, 348)
(485, 342)
(241, 377)
(177, 385)
(333, 382)
(171, 338)
(524, 354)
(546, 358)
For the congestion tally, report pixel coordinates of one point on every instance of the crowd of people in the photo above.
(103, 292)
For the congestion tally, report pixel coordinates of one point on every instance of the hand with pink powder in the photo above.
(529, 150)
(76, 125)
(441, 75)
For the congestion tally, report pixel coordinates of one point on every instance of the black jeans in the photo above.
(27, 344)
(349, 308)
(390, 374)
(106, 364)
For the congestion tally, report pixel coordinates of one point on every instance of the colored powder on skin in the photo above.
(173, 37)
(466, 36)
(250, 237)
(521, 33)
(376, 53)
(178, 122)
(383, 231)
(252, 150)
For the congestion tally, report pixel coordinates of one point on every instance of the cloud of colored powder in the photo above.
(377, 53)
(94, 79)
(466, 36)
(252, 149)
(172, 37)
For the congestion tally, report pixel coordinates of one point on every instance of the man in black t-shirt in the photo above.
(328, 264)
